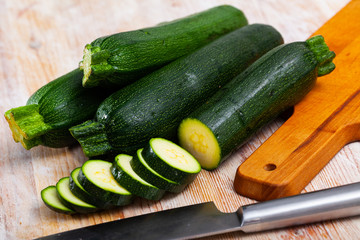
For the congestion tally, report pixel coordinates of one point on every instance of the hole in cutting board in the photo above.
(270, 167)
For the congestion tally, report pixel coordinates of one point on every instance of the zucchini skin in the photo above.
(155, 179)
(275, 82)
(52, 109)
(133, 185)
(121, 58)
(154, 105)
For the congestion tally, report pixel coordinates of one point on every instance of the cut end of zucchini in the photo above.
(26, 125)
(94, 63)
(200, 141)
(322, 53)
(174, 155)
(50, 197)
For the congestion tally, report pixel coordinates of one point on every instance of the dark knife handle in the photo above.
(333, 203)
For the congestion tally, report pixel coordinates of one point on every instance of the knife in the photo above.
(205, 219)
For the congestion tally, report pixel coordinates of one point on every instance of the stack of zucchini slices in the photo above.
(161, 166)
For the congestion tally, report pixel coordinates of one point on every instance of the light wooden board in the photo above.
(41, 40)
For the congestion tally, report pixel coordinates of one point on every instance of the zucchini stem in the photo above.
(322, 53)
(95, 64)
(26, 121)
(92, 137)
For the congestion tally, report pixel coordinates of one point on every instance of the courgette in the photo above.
(154, 105)
(125, 175)
(52, 109)
(171, 161)
(275, 82)
(71, 200)
(51, 199)
(143, 169)
(80, 192)
(96, 178)
(121, 58)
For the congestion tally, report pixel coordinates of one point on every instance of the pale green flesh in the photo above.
(63, 189)
(200, 141)
(51, 198)
(124, 162)
(175, 155)
(150, 169)
(98, 172)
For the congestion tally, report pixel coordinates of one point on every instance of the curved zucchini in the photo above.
(96, 178)
(51, 199)
(121, 58)
(71, 200)
(154, 105)
(140, 166)
(275, 82)
(52, 110)
(171, 161)
(125, 176)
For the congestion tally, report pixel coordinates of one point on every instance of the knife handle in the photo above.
(333, 203)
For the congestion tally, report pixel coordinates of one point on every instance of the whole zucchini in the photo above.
(121, 58)
(275, 82)
(154, 105)
(52, 110)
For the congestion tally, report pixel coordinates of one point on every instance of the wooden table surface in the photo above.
(41, 40)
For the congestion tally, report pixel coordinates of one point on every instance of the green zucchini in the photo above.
(154, 105)
(125, 176)
(171, 161)
(51, 199)
(140, 166)
(96, 178)
(121, 58)
(52, 109)
(71, 200)
(275, 82)
(80, 192)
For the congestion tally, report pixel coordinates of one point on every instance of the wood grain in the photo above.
(41, 40)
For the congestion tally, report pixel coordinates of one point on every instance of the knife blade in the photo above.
(205, 219)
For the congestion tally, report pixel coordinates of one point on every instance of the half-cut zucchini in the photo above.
(171, 161)
(125, 175)
(96, 178)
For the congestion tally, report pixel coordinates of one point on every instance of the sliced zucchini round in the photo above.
(171, 161)
(200, 141)
(96, 178)
(69, 199)
(80, 192)
(125, 175)
(142, 169)
(50, 197)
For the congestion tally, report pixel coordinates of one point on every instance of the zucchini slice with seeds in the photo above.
(140, 166)
(51, 199)
(69, 199)
(125, 175)
(171, 161)
(80, 192)
(96, 178)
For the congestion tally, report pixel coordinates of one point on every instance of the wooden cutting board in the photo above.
(324, 122)
(41, 40)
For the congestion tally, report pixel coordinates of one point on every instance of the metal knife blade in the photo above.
(205, 219)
